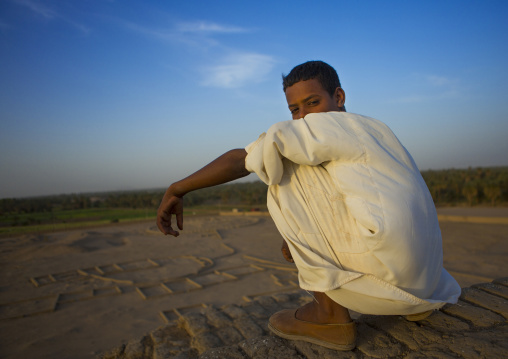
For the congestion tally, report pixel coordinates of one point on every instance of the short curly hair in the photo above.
(324, 73)
(319, 70)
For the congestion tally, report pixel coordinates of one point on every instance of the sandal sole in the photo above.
(342, 347)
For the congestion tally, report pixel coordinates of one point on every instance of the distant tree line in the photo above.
(472, 186)
(44, 204)
(245, 193)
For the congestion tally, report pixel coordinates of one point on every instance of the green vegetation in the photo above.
(451, 187)
(468, 187)
(51, 213)
(18, 223)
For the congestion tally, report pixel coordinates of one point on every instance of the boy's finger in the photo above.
(168, 229)
(173, 233)
(160, 225)
(164, 225)
(179, 220)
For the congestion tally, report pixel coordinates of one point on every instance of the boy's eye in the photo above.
(294, 110)
(313, 103)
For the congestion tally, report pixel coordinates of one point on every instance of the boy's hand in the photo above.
(170, 205)
(286, 252)
(228, 167)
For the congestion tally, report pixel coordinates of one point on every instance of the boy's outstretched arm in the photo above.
(226, 168)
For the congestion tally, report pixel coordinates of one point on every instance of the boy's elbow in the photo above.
(238, 160)
(243, 172)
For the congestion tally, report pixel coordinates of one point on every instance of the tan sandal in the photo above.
(418, 316)
(333, 336)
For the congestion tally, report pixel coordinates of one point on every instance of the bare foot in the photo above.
(323, 310)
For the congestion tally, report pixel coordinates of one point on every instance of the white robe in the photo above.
(357, 216)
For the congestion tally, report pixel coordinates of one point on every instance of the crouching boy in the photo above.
(354, 212)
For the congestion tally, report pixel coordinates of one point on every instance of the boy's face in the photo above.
(309, 96)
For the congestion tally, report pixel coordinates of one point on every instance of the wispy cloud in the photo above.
(38, 8)
(160, 34)
(439, 81)
(191, 33)
(170, 34)
(50, 13)
(205, 27)
(238, 70)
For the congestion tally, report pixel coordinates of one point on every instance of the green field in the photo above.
(11, 225)
(450, 187)
(14, 224)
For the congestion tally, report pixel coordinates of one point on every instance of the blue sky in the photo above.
(104, 95)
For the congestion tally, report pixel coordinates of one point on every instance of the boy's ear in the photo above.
(340, 97)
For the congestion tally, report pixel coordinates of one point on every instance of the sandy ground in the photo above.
(75, 294)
